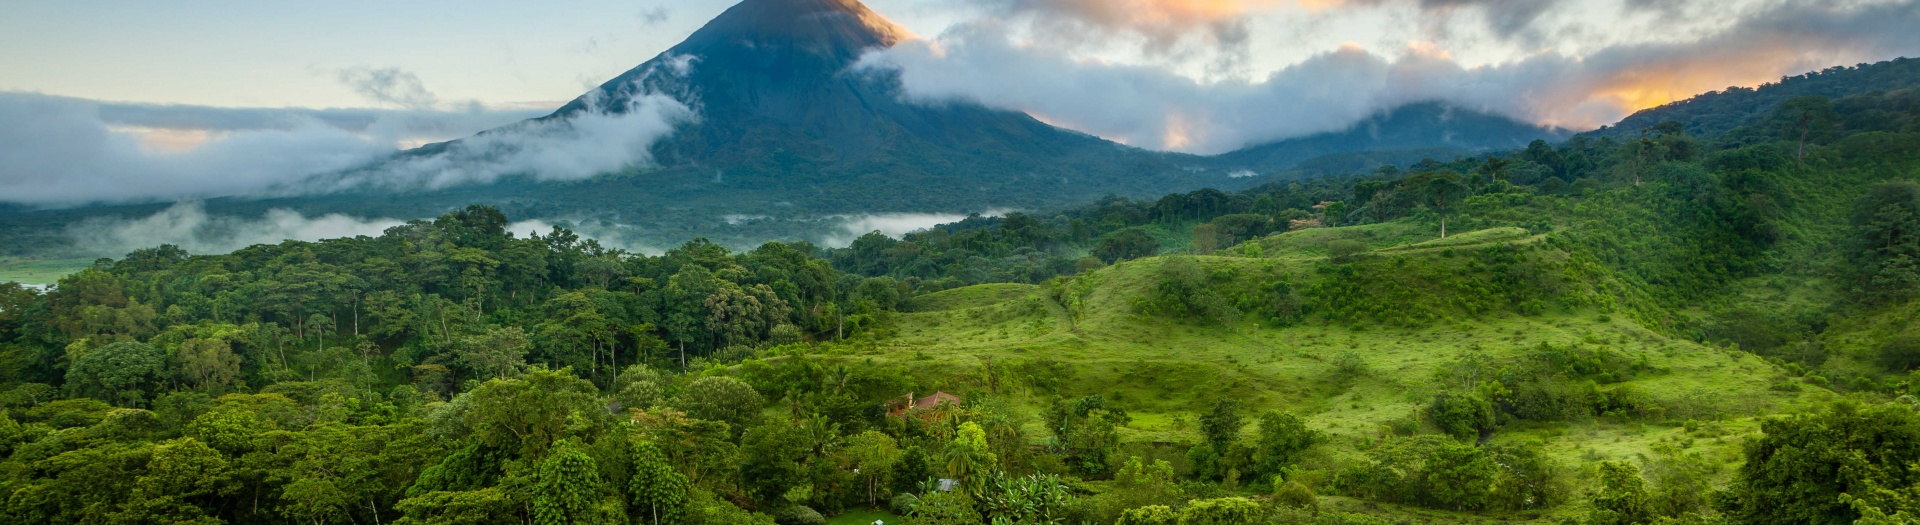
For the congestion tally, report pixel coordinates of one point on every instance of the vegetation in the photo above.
(1674, 329)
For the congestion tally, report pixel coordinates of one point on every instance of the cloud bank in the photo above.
(591, 143)
(999, 62)
(63, 151)
(189, 226)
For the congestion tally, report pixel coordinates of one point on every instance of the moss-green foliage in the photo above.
(945, 508)
(1446, 474)
(567, 490)
(1812, 468)
(124, 373)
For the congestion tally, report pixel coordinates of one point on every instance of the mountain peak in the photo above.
(843, 26)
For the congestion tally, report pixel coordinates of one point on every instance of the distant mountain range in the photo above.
(1401, 136)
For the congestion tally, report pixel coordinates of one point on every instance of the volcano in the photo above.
(786, 116)
(781, 131)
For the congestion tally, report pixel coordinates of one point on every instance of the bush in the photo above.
(1805, 467)
(799, 515)
(945, 508)
(1463, 416)
(1149, 515)
(1901, 353)
(1293, 495)
(1221, 511)
(903, 503)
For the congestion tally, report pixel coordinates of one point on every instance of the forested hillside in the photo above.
(1681, 329)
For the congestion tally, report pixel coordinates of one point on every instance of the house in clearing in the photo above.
(930, 405)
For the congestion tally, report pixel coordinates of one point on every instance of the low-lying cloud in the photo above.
(189, 226)
(993, 62)
(590, 143)
(61, 151)
(893, 225)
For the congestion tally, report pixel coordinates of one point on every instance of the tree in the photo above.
(1886, 253)
(969, 459)
(488, 506)
(1682, 480)
(182, 480)
(873, 455)
(122, 373)
(1088, 429)
(1206, 238)
(1461, 477)
(496, 354)
(1138, 484)
(567, 490)
(774, 457)
(1806, 468)
(659, 492)
(1440, 190)
(722, 399)
(531, 413)
(208, 364)
(915, 467)
(1463, 416)
(1804, 119)
(1283, 438)
(1127, 244)
(1622, 497)
(1335, 212)
(1495, 168)
(1220, 426)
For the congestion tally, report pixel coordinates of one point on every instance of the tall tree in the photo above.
(659, 492)
(567, 489)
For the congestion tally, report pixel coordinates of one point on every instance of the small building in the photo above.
(930, 405)
(936, 400)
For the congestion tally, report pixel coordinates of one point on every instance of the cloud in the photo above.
(1163, 23)
(893, 225)
(67, 151)
(655, 16)
(390, 86)
(1151, 106)
(62, 151)
(608, 136)
(189, 226)
(608, 233)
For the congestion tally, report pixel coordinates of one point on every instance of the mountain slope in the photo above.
(1717, 112)
(1431, 129)
(784, 117)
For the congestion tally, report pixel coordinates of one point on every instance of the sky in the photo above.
(122, 100)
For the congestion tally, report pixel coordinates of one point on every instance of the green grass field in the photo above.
(39, 271)
(1165, 373)
(863, 517)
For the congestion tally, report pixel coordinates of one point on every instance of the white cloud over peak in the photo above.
(999, 62)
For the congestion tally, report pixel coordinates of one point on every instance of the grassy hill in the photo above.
(1361, 382)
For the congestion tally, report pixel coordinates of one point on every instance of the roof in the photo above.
(937, 399)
